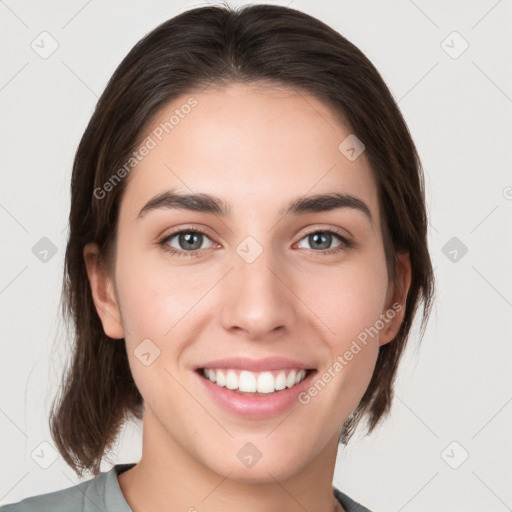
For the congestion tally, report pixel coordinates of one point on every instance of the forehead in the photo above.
(253, 145)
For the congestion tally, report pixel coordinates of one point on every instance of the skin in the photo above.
(257, 148)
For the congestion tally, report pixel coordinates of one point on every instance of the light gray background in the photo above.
(456, 387)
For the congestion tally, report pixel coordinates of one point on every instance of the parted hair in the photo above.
(215, 46)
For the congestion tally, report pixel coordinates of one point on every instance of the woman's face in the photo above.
(273, 292)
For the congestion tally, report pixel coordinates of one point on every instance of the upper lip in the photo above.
(256, 365)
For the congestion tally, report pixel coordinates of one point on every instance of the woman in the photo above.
(247, 252)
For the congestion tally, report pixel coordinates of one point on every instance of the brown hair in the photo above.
(214, 46)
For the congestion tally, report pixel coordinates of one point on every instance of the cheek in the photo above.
(349, 302)
(156, 296)
(348, 298)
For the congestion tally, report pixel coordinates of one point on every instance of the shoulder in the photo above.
(348, 503)
(70, 499)
(99, 493)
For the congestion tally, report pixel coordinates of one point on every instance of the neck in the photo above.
(169, 478)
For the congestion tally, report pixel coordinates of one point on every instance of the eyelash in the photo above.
(345, 243)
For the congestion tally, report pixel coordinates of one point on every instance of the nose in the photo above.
(258, 298)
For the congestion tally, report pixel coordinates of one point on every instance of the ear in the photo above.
(102, 288)
(396, 299)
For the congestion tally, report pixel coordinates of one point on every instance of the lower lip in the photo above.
(253, 406)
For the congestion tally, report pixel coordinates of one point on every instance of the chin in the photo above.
(260, 466)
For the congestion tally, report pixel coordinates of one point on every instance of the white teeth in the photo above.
(265, 383)
(247, 382)
(290, 380)
(231, 380)
(220, 378)
(250, 382)
(280, 381)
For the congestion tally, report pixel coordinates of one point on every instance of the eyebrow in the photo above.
(207, 203)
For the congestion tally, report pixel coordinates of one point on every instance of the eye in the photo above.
(189, 243)
(320, 240)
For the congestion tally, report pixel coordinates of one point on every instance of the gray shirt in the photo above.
(103, 494)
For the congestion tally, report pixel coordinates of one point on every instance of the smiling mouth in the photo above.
(263, 383)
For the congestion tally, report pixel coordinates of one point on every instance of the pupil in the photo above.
(189, 239)
(317, 237)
